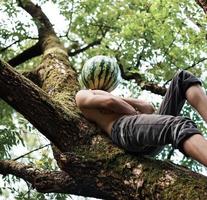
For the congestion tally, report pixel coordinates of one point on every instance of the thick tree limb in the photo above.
(54, 181)
(42, 22)
(49, 117)
(47, 36)
(26, 55)
(154, 88)
(20, 170)
(44, 181)
(122, 177)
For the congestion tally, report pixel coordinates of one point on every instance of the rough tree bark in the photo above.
(90, 165)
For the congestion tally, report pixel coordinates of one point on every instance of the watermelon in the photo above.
(100, 72)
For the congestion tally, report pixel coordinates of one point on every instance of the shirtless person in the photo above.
(133, 126)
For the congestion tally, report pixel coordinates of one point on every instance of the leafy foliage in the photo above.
(16, 28)
(9, 135)
(158, 37)
(16, 136)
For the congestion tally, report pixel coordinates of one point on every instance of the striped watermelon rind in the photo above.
(100, 72)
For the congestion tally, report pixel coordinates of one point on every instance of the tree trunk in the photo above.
(90, 164)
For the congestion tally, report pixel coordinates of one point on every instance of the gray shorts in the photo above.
(146, 134)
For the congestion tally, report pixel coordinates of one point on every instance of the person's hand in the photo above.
(140, 105)
(144, 107)
(149, 109)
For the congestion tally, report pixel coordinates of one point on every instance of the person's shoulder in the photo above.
(83, 92)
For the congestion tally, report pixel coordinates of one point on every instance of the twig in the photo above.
(30, 152)
(70, 20)
(5, 48)
(94, 43)
(187, 68)
(195, 63)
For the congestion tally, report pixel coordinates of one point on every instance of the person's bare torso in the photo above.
(103, 118)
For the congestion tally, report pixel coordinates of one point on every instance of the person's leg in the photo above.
(175, 96)
(197, 98)
(185, 86)
(147, 134)
(196, 147)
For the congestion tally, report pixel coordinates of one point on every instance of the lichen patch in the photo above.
(167, 179)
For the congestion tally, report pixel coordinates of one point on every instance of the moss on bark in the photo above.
(136, 177)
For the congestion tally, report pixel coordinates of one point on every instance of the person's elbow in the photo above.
(80, 98)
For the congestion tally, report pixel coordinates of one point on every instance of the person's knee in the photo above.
(186, 80)
(183, 129)
(195, 95)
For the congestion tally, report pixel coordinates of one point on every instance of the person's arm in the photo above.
(87, 99)
(101, 92)
(140, 105)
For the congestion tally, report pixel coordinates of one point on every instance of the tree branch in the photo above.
(5, 48)
(150, 86)
(122, 177)
(42, 22)
(196, 63)
(43, 181)
(189, 67)
(92, 44)
(154, 88)
(47, 36)
(20, 170)
(17, 41)
(70, 19)
(202, 4)
(26, 55)
(48, 116)
(37, 149)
